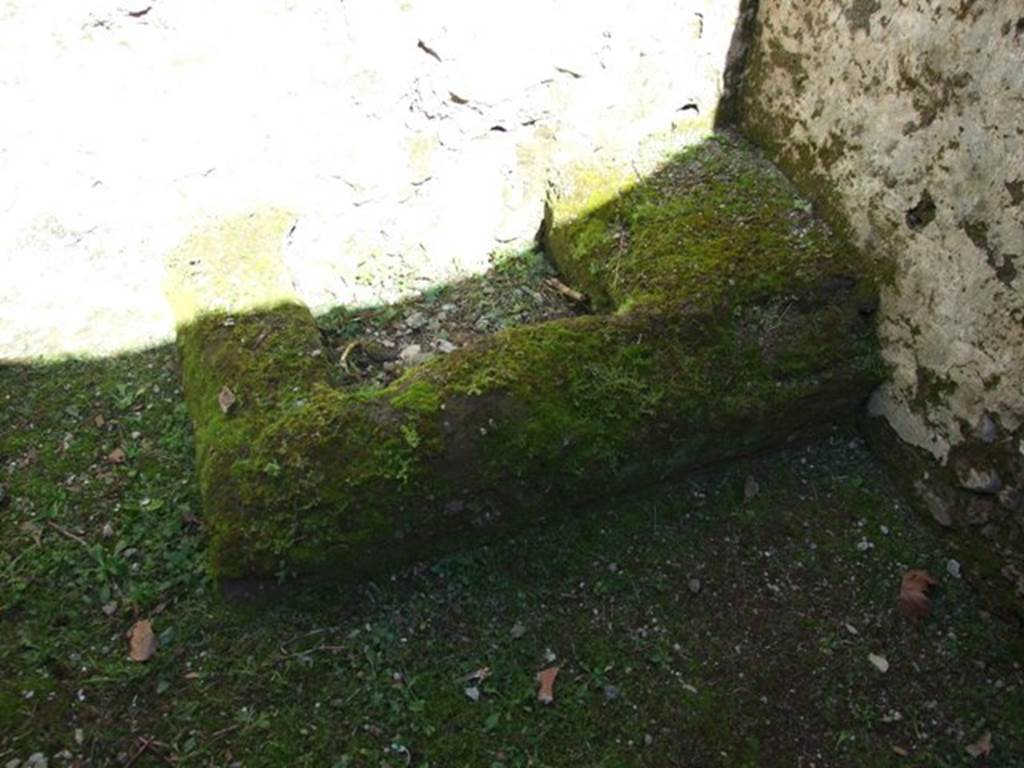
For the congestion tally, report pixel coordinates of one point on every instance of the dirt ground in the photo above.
(736, 618)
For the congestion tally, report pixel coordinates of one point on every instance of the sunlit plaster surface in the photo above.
(408, 140)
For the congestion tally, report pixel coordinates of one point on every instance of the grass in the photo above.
(766, 664)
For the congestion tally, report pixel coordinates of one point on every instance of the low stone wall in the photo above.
(728, 320)
(904, 121)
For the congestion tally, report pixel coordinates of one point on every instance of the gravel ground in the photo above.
(374, 346)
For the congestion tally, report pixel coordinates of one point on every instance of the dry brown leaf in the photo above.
(117, 456)
(982, 747)
(913, 599)
(546, 678)
(900, 751)
(481, 674)
(142, 641)
(751, 488)
(99, 421)
(226, 399)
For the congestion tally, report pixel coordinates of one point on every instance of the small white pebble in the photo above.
(879, 662)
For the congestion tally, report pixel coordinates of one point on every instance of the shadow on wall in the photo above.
(728, 112)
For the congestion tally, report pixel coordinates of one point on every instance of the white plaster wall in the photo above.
(127, 124)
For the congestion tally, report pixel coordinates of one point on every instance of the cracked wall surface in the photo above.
(904, 119)
(410, 140)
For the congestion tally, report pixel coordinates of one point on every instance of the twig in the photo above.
(284, 653)
(348, 350)
(145, 745)
(65, 532)
(570, 293)
(224, 731)
(153, 746)
(263, 336)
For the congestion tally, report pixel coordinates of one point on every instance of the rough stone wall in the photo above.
(904, 119)
(410, 139)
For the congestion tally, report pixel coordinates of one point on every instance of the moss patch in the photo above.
(733, 321)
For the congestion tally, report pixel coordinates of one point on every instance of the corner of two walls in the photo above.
(904, 122)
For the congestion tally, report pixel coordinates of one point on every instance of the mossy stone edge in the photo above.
(731, 323)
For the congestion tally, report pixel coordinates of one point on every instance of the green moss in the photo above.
(10, 708)
(734, 321)
(716, 223)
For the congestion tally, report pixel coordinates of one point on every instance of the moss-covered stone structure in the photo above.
(727, 320)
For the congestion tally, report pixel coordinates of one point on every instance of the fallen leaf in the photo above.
(546, 678)
(518, 630)
(751, 488)
(880, 662)
(982, 747)
(117, 456)
(99, 421)
(900, 751)
(142, 642)
(473, 693)
(913, 600)
(226, 399)
(479, 675)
